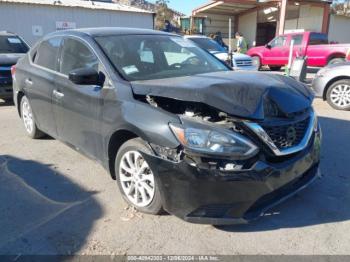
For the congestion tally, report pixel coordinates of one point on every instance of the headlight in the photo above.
(211, 140)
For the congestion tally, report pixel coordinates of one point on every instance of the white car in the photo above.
(239, 61)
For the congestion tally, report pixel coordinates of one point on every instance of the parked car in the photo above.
(12, 47)
(239, 61)
(176, 128)
(313, 45)
(332, 83)
(348, 55)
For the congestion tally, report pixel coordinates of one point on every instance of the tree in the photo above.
(163, 14)
(341, 7)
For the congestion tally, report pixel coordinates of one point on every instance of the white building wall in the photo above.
(217, 23)
(310, 19)
(339, 29)
(20, 18)
(247, 25)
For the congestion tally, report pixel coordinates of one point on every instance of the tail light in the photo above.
(13, 71)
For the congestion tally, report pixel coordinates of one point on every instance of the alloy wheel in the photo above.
(340, 95)
(137, 179)
(27, 116)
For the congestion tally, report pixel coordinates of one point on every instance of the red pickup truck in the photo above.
(315, 46)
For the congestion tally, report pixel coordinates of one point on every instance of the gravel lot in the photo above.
(55, 201)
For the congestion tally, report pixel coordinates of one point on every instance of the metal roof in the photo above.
(81, 4)
(234, 7)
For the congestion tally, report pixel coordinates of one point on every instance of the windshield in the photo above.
(208, 44)
(12, 44)
(145, 57)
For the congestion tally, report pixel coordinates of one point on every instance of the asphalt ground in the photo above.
(55, 201)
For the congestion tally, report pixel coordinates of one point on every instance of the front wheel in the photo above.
(136, 179)
(338, 95)
(28, 120)
(275, 68)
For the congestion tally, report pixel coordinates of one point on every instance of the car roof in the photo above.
(105, 31)
(196, 36)
(7, 33)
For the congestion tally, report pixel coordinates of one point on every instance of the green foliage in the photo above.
(163, 13)
(341, 7)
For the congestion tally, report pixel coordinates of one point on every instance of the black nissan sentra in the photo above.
(175, 127)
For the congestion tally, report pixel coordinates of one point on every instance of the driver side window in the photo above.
(278, 41)
(76, 55)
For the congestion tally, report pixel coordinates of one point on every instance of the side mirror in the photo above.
(84, 76)
(268, 46)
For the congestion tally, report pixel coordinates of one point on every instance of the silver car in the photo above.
(239, 61)
(332, 83)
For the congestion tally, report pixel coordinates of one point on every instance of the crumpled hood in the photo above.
(242, 94)
(9, 59)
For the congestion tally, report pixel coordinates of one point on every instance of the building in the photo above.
(31, 19)
(260, 20)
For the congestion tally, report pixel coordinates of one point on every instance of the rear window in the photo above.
(208, 44)
(318, 39)
(12, 44)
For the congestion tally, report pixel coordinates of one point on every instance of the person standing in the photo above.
(242, 46)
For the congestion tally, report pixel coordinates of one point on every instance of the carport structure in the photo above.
(261, 20)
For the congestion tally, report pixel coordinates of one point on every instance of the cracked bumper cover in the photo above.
(233, 197)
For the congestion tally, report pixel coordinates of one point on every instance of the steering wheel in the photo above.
(193, 60)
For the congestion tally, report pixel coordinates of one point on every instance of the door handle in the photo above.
(57, 94)
(28, 82)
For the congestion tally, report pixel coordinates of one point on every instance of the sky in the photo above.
(185, 6)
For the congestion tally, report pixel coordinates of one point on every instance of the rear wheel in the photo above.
(256, 62)
(338, 95)
(336, 60)
(136, 179)
(28, 120)
(275, 68)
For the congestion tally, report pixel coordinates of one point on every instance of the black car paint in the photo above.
(91, 119)
(6, 61)
(236, 93)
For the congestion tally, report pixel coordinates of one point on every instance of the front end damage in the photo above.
(247, 142)
(221, 189)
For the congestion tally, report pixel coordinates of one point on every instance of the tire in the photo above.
(275, 68)
(140, 191)
(28, 120)
(8, 100)
(338, 95)
(256, 62)
(336, 61)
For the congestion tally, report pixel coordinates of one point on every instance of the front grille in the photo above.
(287, 135)
(244, 62)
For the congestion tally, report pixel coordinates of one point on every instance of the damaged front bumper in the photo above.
(212, 196)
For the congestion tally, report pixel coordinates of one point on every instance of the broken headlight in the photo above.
(207, 139)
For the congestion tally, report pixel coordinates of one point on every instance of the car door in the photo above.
(276, 52)
(77, 108)
(40, 82)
